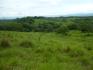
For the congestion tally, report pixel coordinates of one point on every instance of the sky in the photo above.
(19, 8)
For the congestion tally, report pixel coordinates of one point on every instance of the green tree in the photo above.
(63, 30)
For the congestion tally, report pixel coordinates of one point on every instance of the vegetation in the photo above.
(48, 24)
(46, 43)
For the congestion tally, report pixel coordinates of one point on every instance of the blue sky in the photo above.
(17, 8)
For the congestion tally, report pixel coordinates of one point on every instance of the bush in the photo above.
(76, 53)
(67, 49)
(26, 44)
(63, 30)
(85, 61)
(73, 26)
(83, 27)
(39, 50)
(5, 43)
(88, 27)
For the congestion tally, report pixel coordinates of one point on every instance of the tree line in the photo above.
(48, 24)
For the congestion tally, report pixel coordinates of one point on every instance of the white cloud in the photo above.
(52, 2)
(80, 8)
(44, 7)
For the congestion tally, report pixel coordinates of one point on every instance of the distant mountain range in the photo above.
(7, 18)
(81, 14)
(77, 14)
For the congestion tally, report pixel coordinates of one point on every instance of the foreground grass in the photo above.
(45, 51)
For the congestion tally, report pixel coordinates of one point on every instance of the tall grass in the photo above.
(51, 52)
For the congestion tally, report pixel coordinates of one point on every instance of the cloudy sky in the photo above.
(15, 8)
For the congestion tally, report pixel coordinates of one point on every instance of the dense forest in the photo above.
(48, 24)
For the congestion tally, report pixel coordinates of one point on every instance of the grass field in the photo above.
(46, 51)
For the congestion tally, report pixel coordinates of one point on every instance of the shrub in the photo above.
(83, 27)
(50, 50)
(67, 49)
(88, 27)
(63, 30)
(39, 50)
(85, 61)
(89, 48)
(5, 43)
(26, 44)
(73, 26)
(76, 53)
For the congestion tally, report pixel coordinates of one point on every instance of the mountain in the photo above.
(76, 14)
(81, 14)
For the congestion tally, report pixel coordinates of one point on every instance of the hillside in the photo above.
(46, 51)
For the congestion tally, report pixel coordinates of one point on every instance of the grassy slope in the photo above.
(51, 52)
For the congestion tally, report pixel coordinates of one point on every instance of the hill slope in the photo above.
(45, 51)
